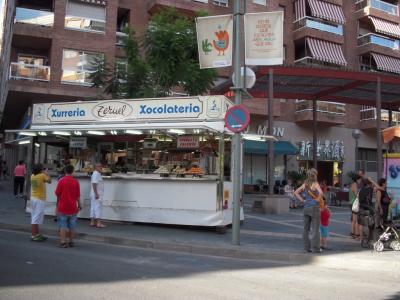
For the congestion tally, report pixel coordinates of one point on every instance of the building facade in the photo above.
(51, 44)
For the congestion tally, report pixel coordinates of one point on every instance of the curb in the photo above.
(226, 252)
(350, 260)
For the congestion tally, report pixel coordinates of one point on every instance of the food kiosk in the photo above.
(166, 160)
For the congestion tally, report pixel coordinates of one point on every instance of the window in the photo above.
(121, 69)
(83, 16)
(367, 159)
(261, 2)
(224, 3)
(77, 66)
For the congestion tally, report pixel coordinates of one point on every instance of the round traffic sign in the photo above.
(237, 118)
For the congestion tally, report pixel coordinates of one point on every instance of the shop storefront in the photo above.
(330, 155)
(255, 169)
(165, 160)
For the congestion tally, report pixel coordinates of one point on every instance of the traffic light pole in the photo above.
(236, 141)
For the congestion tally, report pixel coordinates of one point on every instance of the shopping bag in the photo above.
(356, 205)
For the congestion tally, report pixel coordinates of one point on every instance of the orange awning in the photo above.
(390, 133)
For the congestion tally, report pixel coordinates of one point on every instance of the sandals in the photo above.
(101, 226)
(63, 245)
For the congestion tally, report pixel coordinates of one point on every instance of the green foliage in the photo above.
(171, 52)
(170, 59)
(101, 74)
(296, 177)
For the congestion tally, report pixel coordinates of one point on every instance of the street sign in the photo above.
(237, 118)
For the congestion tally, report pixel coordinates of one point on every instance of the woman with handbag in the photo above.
(353, 195)
(310, 194)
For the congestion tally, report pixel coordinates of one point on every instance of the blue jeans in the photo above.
(67, 221)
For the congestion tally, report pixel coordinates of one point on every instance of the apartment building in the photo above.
(51, 44)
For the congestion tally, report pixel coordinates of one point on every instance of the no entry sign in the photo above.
(237, 118)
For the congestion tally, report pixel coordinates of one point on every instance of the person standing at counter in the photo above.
(39, 179)
(68, 205)
(19, 179)
(96, 197)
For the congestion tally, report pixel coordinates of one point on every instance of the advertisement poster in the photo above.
(391, 172)
(264, 38)
(214, 41)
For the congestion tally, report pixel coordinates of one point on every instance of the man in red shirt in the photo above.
(68, 205)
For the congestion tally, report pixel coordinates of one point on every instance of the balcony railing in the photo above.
(331, 108)
(30, 72)
(369, 113)
(310, 61)
(32, 16)
(319, 25)
(120, 41)
(372, 38)
(378, 4)
(77, 77)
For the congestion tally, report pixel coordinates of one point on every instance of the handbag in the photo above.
(356, 205)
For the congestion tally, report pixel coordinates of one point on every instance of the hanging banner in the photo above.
(214, 41)
(264, 38)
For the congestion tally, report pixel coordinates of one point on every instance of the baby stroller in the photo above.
(366, 218)
(390, 236)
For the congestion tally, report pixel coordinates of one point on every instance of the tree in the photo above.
(170, 59)
(171, 52)
(101, 74)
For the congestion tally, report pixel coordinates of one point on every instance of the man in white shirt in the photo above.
(96, 197)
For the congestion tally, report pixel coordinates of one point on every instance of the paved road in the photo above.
(97, 271)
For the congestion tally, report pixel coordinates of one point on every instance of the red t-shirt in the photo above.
(68, 193)
(325, 216)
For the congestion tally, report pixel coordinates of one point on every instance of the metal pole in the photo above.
(390, 125)
(271, 166)
(314, 115)
(237, 155)
(357, 167)
(378, 129)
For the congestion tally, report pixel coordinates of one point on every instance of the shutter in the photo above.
(86, 11)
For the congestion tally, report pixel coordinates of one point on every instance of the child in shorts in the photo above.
(324, 227)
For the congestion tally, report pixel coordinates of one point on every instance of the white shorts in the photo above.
(37, 210)
(95, 207)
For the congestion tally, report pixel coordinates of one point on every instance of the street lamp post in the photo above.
(356, 135)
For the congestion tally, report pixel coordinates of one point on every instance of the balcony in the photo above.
(319, 24)
(372, 38)
(368, 118)
(33, 16)
(329, 113)
(389, 8)
(29, 72)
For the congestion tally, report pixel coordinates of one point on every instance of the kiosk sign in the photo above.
(237, 118)
(132, 110)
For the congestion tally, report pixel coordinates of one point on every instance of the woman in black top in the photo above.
(383, 200)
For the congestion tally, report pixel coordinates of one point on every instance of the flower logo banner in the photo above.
(264, 38)
(214, 41)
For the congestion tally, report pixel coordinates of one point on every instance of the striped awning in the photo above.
(300, 9)
(386, 27)
(327, 11)
(326, 51)
(386, 63)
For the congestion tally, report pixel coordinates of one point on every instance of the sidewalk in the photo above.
(268, 237)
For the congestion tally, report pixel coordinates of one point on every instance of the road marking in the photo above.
(293, 235)
(288, 224)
